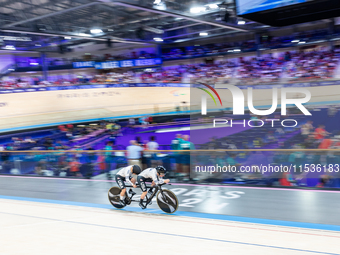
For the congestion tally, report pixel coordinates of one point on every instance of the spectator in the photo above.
(185, 144)
(324, 180)
(29, 140)
(332, 111)
(320, 133)
(325, 144)
(62, 128)
(175, 143)
(132, 122)
(134, 153)
(306, 129)
(286, 180)
(108, 156)
(74, 167)
(153, 145)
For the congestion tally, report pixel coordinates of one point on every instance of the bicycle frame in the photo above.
(166, 200)
(148, 200)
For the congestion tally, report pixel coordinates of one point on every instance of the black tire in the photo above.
(114, 198)
(168, 203)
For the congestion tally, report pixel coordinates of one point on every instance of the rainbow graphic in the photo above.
(213, 90)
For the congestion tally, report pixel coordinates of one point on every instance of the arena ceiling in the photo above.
(46, 24)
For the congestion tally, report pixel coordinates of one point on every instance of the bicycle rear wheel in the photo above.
(167, 201)
(114, 197)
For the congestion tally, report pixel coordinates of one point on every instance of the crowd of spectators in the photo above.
(65, 137)
(309, 65)
(114, 77)
(259, 70)
(57, 160)
(79, 164)
(163, 75)
(212, 72)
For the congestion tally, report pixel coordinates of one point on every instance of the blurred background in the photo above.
(87, 86)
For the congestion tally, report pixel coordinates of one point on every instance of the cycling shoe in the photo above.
(141, 204)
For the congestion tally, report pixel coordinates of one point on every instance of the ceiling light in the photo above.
(197, 9)
(302, 42)
(203, 33)
(96, 31)
(213, 6)
(83, 34)
(295, 41)
(157, 2)
(157, 39)
(37, 45)
(241, 22)
(110, 30)
(67, 37)
(237, 50)
(9, 47)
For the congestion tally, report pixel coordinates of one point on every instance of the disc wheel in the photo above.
(114, 197)
(167, 202)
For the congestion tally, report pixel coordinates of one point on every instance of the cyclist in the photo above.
(125, 174)
(154, 175)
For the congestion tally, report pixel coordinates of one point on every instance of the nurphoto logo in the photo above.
(238, 104)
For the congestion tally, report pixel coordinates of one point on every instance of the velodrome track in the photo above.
(64, 216)
(299, 206)
(23, 111)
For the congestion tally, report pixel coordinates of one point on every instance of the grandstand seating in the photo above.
(301, 66)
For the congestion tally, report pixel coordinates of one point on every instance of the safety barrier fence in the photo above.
(268, 167)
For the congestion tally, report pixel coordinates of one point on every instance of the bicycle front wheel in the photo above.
(114, 197)
(167, 201)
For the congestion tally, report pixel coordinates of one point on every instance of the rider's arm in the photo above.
(127, 178)
(156, 179)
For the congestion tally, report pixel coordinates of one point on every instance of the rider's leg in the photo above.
(133, 180)
(152, 185)
(142, 185)
(143, 195)
(120, 181)
(122, 194)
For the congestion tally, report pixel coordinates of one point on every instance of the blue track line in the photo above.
(187, 214)
(173, 235)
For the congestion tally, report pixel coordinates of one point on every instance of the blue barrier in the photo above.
(183, 85)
